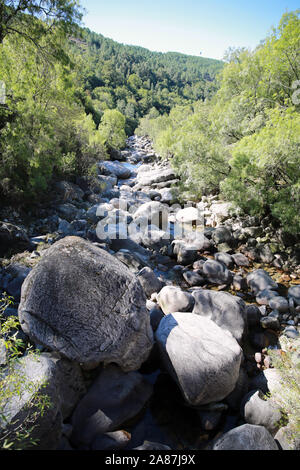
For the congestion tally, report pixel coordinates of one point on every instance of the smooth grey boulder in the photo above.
(294, 293)
(13, 239)
(239, 282)
(69, 381)
(199, 241)
(198, 265)
(106, 184)
(216, 272)
(225, 258)
(67, 211)
(154, 239)
(194, 279)
(187, 249)
(265, 296)
(131, 246)
(91, 214)
(54, 381)
(35, 375)
(16, 275)
(226, 310)
(84, 303)
(173, 299)
(149, 178)
(270, 322)
(240, 259)
(189, 215)
(259, 280)
(291, 332)
(265, 253)
(261, 412)
(220, 211)
(168, 195)
(246, 437)
(115, 168)
(114, 398)
(104, 210)
(154, 212)
(64, 228)
(149, 282)
(280, 304)
(201, 357)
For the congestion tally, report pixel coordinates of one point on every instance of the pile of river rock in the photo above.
(146, 311)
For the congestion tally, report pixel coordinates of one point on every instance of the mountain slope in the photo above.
(135, 80)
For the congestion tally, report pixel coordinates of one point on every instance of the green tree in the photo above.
(265, 172)
(243, 142)
(33, 19)
(112, 129)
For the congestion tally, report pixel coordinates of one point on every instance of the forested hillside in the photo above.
(245, 142)
(73, 95)
(134, 80)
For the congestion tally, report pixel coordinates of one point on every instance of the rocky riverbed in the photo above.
(154, 316)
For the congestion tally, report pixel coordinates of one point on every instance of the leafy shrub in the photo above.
(112, 129)
(13, 383)
(265, 171)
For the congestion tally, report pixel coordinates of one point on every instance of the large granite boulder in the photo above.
(14, 276)
(216, 272)
(189, 215)
(173, 299)
(120, 170)
(294, 293)
(202, 358)
(39, 381)
(149, 282)
(114, 398)
(222, 235)
(149, 178)
(226, 310)
(259, 411)
(152, 213)
(260, 280)
(84, 303)
(220, 211)
(246, 437)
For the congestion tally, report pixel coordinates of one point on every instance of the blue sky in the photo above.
(188, 26)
